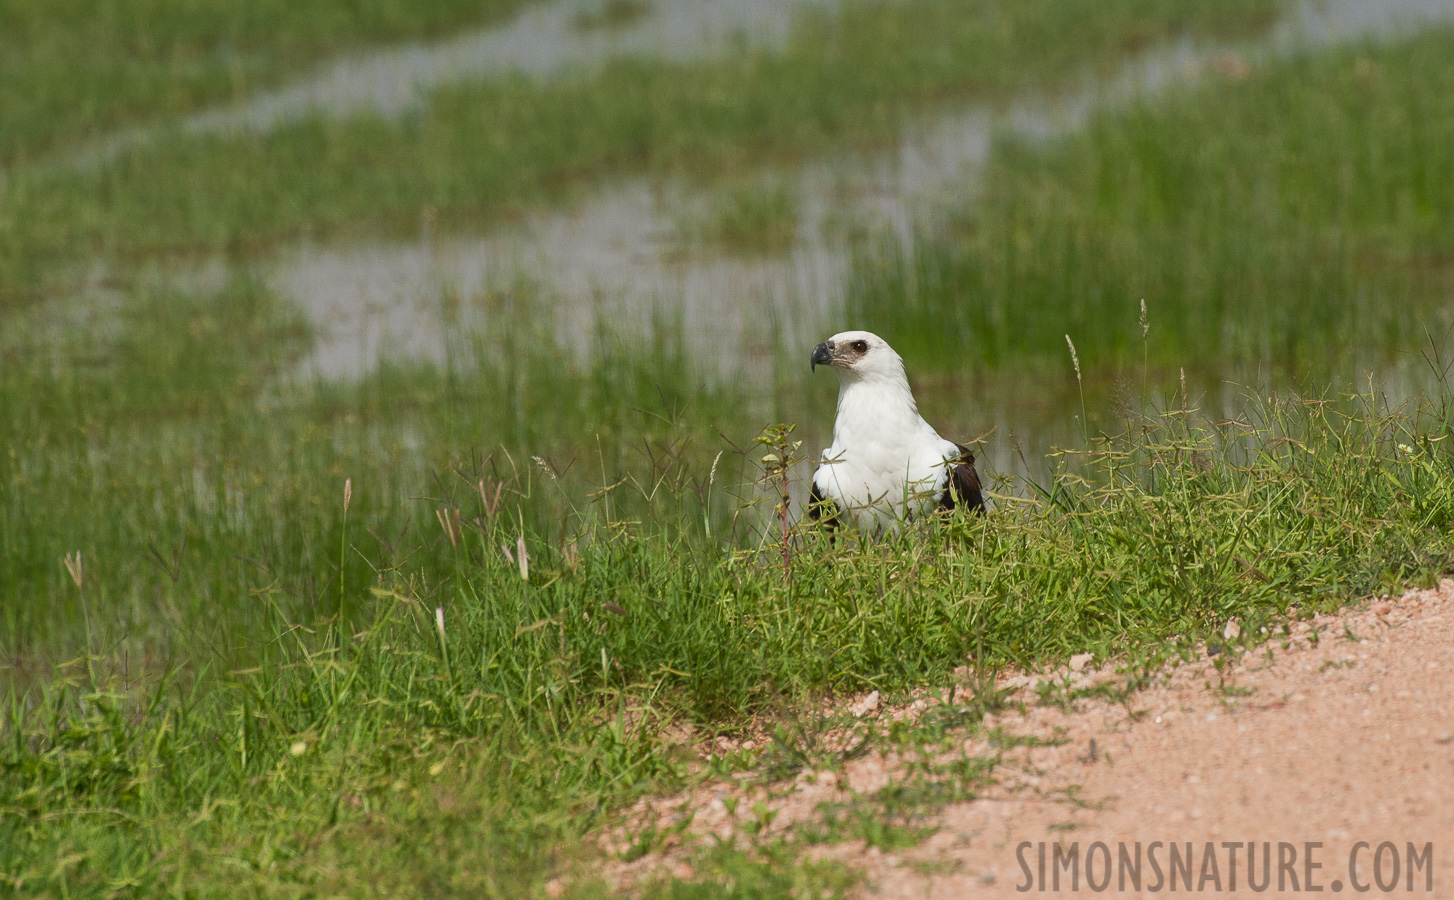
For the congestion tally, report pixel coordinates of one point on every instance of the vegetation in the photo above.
(1299, 218)
(849, 76)
(426, 633)
(512, 672)
(72, 70)
(747, 217)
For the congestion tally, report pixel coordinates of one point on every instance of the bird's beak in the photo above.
(822, 355)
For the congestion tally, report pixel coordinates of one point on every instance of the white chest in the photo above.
(886, 461)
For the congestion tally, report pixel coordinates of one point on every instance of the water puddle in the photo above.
(617, 262)
(618, 258)
(549, 39)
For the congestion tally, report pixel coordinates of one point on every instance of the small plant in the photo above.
(777, 466)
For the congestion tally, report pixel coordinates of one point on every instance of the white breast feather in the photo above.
(885, 462)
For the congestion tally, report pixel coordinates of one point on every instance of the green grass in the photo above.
(244, 685)
(612, 14)
(533, 711)
(482, 151)
(211, 710)
(757, 217)
(180, 430)
(72, 71)
(1300, 219)
(208, 708)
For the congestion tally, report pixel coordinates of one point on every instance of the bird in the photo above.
(886, 464)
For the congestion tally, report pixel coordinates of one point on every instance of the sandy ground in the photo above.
(1341, 735)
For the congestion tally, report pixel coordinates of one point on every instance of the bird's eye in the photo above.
(860, 346)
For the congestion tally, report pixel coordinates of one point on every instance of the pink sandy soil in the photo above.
(1342, 740)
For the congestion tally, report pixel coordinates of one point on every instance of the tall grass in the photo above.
(482, 151)
(223, 677)
(179, 453)
(531, 706)
(72, 70)
(1298, 218)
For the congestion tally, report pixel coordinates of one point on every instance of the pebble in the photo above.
(867, 706)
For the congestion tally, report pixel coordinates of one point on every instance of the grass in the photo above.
(226, 673)
(180, 430)
(757, 217)
(204, 705)
(1295, 219)
(852, 76)
(612, 14)
(451, 689)
(71, 71)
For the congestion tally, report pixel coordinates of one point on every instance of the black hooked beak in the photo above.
(822, 355)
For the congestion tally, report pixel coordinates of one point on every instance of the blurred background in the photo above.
(251, 250)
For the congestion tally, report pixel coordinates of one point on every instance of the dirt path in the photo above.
(1340, 735)
(1339, 741)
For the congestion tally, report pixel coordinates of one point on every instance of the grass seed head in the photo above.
(73, 565)
(449, 524)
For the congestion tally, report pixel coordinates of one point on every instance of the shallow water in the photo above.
(616, 262)
(617, 258)
(543, 40)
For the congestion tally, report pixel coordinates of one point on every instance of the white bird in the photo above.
(886, 463)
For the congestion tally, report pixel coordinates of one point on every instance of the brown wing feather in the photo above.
(820, 507)
(963, 487)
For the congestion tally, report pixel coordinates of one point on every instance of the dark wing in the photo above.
(821, 508)
(963, 488)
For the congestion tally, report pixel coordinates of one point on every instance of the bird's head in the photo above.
(858, 354)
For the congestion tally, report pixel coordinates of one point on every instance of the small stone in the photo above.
(1080, 661)
(1232, 631)
(1445, 738)
(1214, 649)
(554, 888)
(867, 706)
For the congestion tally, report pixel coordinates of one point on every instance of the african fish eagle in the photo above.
(886, 463)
